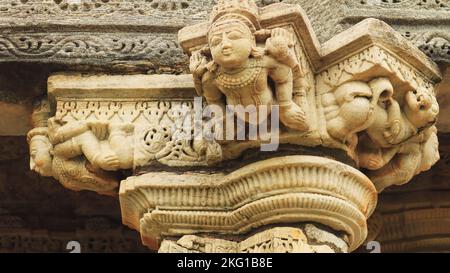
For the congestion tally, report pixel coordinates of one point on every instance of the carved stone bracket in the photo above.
(363, 100)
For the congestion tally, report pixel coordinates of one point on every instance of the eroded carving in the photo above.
(399, 137)
(307, 239)
(390, 127)
(87, 142)
(58, 152)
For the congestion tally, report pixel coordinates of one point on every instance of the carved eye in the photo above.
(234, 35)
(415, 92)
(216, 41)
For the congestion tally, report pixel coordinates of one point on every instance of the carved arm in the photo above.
(60, 133)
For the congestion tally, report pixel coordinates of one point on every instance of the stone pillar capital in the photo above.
(272, 137)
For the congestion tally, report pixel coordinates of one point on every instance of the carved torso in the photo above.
(247, 87)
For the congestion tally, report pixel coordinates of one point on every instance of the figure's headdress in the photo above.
(242, 11)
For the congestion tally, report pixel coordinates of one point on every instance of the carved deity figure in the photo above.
(393, 134)
(232, 70)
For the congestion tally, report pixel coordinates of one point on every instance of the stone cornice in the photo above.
(369, 33)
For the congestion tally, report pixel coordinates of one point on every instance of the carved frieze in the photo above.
(74, 32)
(276, 240)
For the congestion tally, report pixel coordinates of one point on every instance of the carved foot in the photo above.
(392, 132)
(294, 117)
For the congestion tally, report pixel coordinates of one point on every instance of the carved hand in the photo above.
(294, 117)
(375, 162)
(286, 35)
(197, 64)
(279, 46)
(108, 162)
(392, 131)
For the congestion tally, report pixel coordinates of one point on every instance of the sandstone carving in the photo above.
(57, 151)
(277, 240)
(234, 70)
(87, 142)
(398, 141)
(363, 100)
(289, 189)
(373, 94)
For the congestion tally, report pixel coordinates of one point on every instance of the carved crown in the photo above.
(243, 10)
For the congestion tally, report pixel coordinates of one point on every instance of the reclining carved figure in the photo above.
(73, 153)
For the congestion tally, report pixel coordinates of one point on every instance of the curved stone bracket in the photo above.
(290, 189)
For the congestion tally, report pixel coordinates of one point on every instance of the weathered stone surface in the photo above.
(292, 189)
(145, 32)
(140, 36)
(306, 239)
(78, 36)
(425, 23)
(367, 92)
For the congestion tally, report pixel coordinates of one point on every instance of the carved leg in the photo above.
(398, 172)
(103, 158)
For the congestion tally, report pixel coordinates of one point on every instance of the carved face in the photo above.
(231, 44)
(421, 108)
(40, 156)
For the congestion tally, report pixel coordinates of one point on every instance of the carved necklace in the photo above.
(241, 79)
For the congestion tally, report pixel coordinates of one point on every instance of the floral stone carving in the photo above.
(363, 100)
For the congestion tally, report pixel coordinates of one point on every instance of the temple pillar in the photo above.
(273, 143)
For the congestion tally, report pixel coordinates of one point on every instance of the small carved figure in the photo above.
(354, 106)
(73, 173)
(63, 159)
(234, 71)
